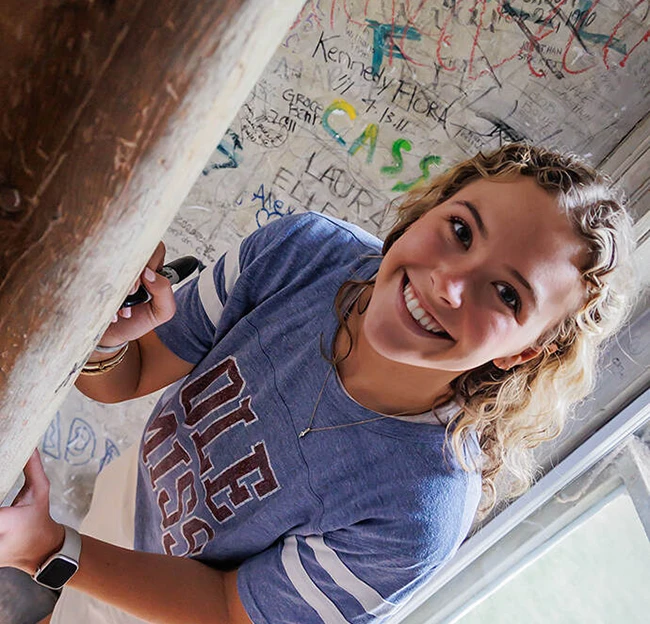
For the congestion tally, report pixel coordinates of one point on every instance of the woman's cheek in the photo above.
(498, 331)
(481, 329)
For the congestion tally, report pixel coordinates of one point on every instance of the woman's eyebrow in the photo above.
(477, 216)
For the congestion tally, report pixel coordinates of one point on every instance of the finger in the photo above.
(36, 482)
(162, 250)
(158, 257)
(35, 473)
(21, 496)
(162, 304)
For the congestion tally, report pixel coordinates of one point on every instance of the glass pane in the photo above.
(598, 572)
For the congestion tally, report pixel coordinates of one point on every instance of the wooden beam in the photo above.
(108, 112)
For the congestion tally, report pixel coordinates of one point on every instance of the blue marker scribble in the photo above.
(597, 38)
(229, 147)
(271, 208)
(80, 447)
(52, 440)
(110, 453)
(385, 37)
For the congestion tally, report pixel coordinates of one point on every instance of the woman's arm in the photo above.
(156, 588)
(148, 366)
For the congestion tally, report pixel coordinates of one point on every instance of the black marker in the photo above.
(176, 271)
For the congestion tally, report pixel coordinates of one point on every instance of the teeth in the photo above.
(423, 318)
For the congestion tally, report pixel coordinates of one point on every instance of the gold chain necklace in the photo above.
(310, 429)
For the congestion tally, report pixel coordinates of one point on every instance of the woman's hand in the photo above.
(143, 584)
(132, 323)
(28, 535)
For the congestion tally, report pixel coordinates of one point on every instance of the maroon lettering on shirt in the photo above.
(231, 479)
(197, 533)
(177, 455)
(242, 414)
(184, 485)
(162, 427)
(168, 542)
(195, 412)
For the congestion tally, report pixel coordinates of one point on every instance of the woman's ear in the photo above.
(506, 363)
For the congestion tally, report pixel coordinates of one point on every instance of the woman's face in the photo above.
(478, 278)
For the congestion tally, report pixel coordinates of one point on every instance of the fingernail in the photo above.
(134, 289)
(114, 319)
(149, 275)
(126, 312)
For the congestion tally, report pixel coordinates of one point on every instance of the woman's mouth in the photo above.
(420, 315)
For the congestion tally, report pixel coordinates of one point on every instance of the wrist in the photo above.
(106, 349)
(53, 540)
(60, 566)
(105, 364)
(96, 356)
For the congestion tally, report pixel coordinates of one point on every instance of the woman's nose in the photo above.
(449, 287)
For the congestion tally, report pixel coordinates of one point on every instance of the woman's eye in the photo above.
(509, 296)
(462, 232)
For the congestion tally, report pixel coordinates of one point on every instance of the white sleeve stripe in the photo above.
(208, 295)
(231, 266)
(313, 596)
(207, 289)
(370, 599)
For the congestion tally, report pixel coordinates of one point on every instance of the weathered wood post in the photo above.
(108, 111)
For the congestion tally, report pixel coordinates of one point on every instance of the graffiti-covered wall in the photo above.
(365, 99)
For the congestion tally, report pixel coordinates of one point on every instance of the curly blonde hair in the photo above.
(513, 411)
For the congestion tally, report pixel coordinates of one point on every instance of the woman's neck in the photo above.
(383, 385)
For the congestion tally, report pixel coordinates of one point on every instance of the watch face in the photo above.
(57, 572)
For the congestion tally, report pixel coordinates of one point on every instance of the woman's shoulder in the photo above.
(419, 503)
(420, 523)
(301, 247)
(309, 228)
(440, 504)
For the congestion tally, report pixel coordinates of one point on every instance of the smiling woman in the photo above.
(500, 280)
(284, 483)
(466, 267)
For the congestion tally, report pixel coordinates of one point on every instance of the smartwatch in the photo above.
(61, 566)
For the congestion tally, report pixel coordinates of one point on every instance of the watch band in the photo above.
(59, 568)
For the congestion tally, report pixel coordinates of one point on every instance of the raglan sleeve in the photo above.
(191, 332)
(210, 304)
(315, 579)
(362, 573)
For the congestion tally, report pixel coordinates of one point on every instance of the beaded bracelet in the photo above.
(115, 349)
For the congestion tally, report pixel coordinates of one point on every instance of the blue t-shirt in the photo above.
(337, 526)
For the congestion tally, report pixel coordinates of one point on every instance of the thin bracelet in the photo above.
(99, 368)
(115, 349)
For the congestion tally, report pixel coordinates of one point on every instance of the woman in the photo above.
(340, 405)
